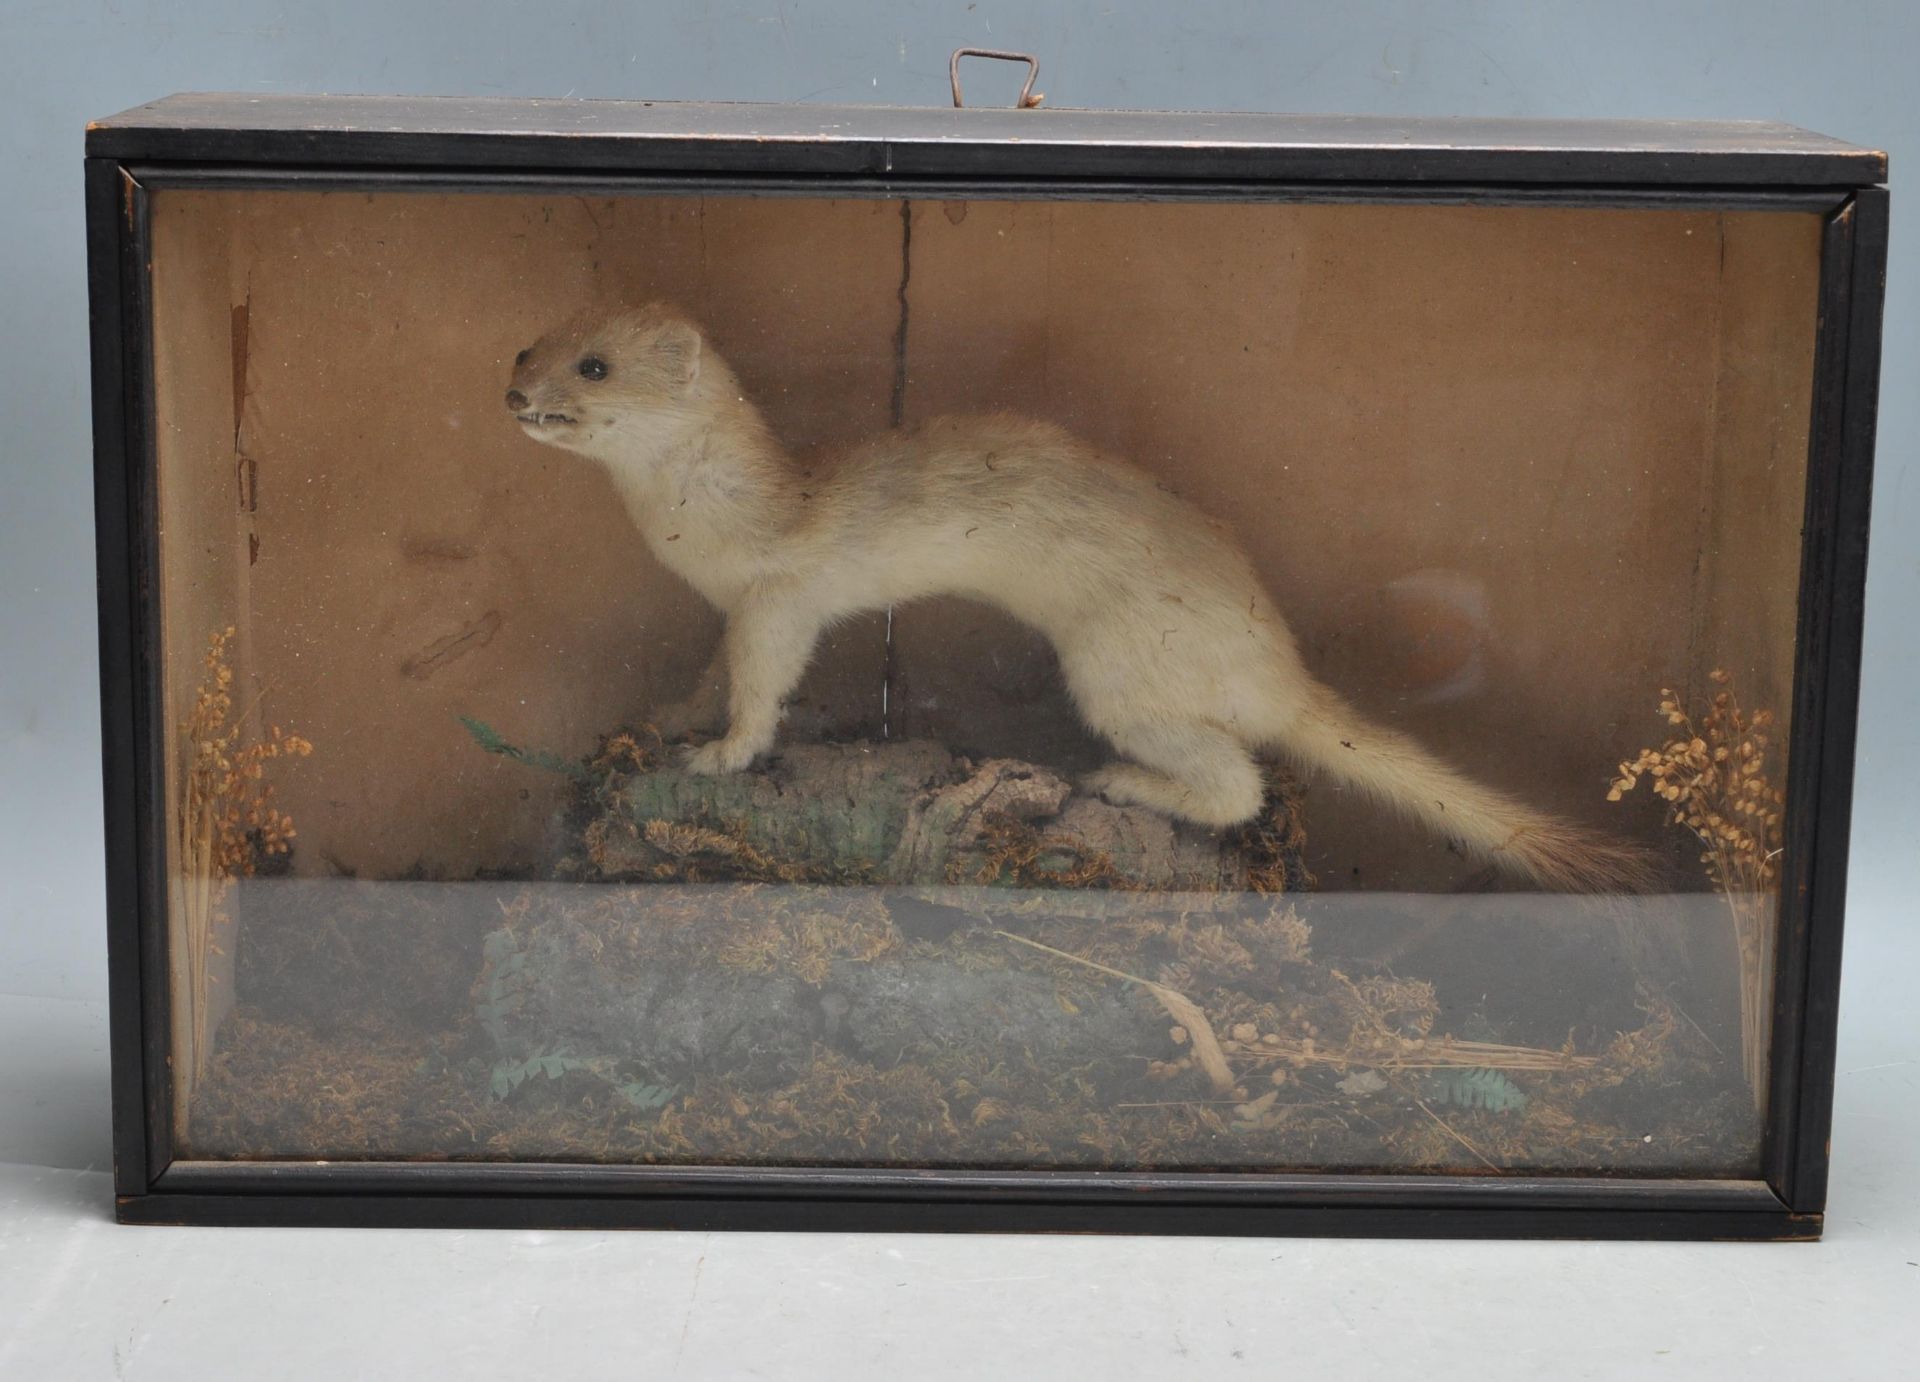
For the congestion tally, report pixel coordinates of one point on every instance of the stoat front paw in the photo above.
(721, 756)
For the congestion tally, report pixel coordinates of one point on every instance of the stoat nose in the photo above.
(516, 401)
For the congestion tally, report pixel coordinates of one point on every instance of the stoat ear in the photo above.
(678, 348)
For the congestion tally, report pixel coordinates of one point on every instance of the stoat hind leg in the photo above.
(1197, 772)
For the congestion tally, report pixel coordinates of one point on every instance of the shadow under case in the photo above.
(1549, 443)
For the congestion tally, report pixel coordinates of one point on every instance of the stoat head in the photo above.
(606, 384)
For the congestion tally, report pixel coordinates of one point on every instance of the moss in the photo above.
(779, 1004)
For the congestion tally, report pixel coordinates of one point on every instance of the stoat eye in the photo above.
(521, 358)
(593, 367)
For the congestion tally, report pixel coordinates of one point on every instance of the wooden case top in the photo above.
(394, 132)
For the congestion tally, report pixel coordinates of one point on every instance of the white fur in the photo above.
(1169, 646)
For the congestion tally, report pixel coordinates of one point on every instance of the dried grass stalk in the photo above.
(1370, 1045)
(1718, 779)
(1423, 1053)
(1182, 1009)
(227, 823)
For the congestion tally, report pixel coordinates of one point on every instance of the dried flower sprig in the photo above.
(228, 821)
(1718, 777)
(1717, 781)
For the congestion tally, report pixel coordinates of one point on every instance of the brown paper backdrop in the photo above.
(1508, 470)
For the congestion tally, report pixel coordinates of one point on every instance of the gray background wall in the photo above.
(1842, 68)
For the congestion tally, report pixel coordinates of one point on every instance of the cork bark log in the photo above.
(922, 844)
(912, 815)
(739, 924)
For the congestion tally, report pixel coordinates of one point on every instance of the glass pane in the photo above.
(1257, 686)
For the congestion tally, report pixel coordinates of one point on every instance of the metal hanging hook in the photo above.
(1029, 98)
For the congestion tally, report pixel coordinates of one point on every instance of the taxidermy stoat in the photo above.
(1169, 646)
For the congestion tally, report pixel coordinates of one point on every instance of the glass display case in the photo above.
(718, 665)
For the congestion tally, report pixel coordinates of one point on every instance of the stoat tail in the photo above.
(1329, 735)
